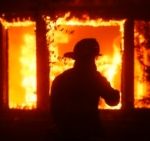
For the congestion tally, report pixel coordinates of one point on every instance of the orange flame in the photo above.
(58, 35)
(22, 84)
(109, 65)
(141, 85)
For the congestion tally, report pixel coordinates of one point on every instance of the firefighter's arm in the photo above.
(111, 95)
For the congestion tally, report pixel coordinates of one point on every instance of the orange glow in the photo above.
(141, 57)
(141, 88)
(21, 64)
(28, 70)
(62, 35)
(64, 32)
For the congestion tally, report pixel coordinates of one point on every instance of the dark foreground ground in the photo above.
(36, 126)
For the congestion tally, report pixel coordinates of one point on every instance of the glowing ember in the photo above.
(65, 31)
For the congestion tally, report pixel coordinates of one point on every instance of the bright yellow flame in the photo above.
(28, 71)
(113, 65)
(108, 65)
(17, 23)
(85, 21)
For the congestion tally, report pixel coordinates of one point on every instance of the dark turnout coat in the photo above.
(74, 101)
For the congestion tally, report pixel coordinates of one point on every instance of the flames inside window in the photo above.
(65, 31)
(62, 34)
(21, 64)
(142, 64)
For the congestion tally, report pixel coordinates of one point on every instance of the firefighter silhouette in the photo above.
(76, 92)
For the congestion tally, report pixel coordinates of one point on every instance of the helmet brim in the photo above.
(73, 56)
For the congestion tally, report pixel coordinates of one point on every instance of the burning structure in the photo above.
(22, 53)
(32, 48)
(60, 36)
(34, 35)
